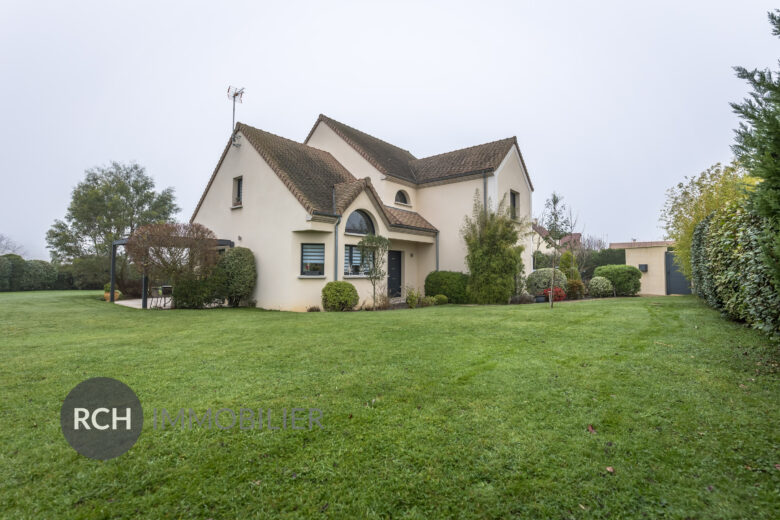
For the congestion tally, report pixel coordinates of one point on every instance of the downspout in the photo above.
(437, 250)
(335, 239)
(484, 192)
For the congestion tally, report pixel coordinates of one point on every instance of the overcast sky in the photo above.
(611, 102)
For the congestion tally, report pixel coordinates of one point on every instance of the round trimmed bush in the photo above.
(451, 284)
(339, 296)
(600, 287)
(441, 299)
(624, 278)
(540, 280)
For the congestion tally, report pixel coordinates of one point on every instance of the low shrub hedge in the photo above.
(540, 280)
(339, 296)
(441, 299)
(451, 284)
(624, 278)
(600, 287)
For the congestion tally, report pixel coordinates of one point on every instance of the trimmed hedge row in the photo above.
(729, 269)
(625, 278)
(451, 284)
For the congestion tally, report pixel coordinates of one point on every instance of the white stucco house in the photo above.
(302, 207)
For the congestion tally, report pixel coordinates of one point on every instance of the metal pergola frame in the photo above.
(145, 280)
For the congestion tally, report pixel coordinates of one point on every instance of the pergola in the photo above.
(145, 280)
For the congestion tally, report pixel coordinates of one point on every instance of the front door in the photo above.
(394, 273)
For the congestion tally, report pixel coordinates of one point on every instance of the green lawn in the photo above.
(474, 412)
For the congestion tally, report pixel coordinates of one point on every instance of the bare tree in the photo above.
(8, 246)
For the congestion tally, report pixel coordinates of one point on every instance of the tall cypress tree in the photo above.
(758, 147)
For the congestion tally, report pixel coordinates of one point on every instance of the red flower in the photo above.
(558, 294)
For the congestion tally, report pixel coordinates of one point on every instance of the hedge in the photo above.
(451, 284)
(625, 278)
(735, 264)
(702, 280)
(540, 280)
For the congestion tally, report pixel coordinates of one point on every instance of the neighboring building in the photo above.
(539, 242)
(656, 261)
(302, 207)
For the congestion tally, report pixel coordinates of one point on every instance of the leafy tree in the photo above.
(690, 202)
(493, 255)
(373, 252)
(13, 268)
(758, 148)
(110, 203)
(38, 275)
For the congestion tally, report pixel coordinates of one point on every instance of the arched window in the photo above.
(360, 223)
(401, 197)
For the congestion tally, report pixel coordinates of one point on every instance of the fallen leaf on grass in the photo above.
(777, 466)
(583, 507)
(591, 429)
(257, 482)
(610, 469)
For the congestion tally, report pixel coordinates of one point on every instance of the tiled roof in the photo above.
(632, 245)
(319, 182)
(483, 158)
(397, 162)
(405, 218)
(385, 157)
(309, 173)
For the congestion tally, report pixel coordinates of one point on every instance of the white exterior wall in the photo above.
(326, 139)
(273, 224)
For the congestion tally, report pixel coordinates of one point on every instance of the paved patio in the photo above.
(153, 303)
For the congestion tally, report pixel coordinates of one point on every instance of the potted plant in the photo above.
(107, 293)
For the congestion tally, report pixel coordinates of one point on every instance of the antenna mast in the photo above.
(236, 94)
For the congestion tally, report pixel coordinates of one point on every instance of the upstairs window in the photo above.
(352, 263)
(360, 223)
(238, 191)
(401, 197)
(312, 259)
(514, 204)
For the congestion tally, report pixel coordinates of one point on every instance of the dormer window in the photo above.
(359, 223)
(401, 197)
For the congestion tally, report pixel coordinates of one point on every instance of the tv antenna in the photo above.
(236, 94)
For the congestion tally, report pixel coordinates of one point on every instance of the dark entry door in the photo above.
(676, 282)
(394, 273)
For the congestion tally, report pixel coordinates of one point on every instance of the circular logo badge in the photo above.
(101, 418)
